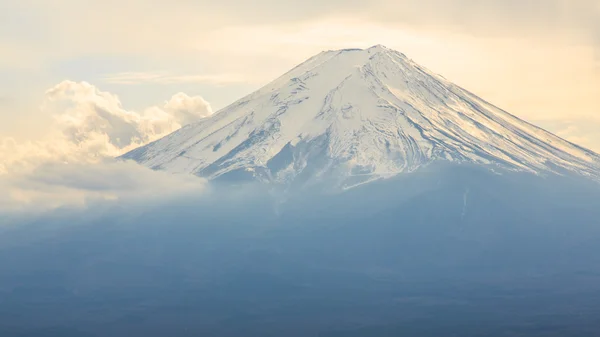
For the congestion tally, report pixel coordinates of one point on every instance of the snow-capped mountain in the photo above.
(359, 115)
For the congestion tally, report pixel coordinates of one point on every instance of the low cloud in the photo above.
(55, 185)
(90, 125)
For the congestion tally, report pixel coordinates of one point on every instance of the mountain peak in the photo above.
(357, 115)
(378, 47)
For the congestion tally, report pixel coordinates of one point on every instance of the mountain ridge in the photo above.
(357, 115)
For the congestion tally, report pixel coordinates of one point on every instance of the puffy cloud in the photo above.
(90, 125)
(72, 165)
(187, 109)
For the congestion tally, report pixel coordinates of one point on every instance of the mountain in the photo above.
(357, 115)
(485, 225)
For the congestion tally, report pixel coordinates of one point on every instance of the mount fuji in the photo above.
(357, 115)
(389, 202)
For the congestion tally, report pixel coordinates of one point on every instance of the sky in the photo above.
(86, 80)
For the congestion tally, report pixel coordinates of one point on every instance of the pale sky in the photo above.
(90, 78)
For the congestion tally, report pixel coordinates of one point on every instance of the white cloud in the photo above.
(168, 78)
(187, 109)
(73, 167)
(90, 125)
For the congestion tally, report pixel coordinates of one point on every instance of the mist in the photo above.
(476, 252)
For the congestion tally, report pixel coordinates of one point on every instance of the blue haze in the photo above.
(446, 251)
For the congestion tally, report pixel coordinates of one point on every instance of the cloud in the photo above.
(569, 130)
(484, 14)
(73, 165)
(491, 17)
(187, 109)
(581, 131)
(90, 125)
(573, 134)
(52, 185)
(186, 23)
(167, 78)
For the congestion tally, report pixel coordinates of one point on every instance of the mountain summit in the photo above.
(357, 115)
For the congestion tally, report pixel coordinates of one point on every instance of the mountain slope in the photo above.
(359, 115)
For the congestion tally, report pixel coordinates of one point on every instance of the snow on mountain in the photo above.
(358, 115)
